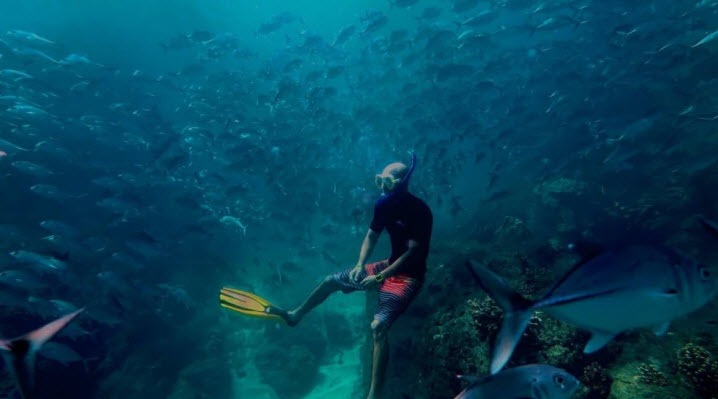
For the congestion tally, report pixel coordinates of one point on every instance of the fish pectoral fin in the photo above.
(598, 340)
(662, 329)
(537, 391)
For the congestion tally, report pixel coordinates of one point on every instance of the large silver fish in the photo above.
(532, 381)
(20, 352)
(42, 262)
(615, 291)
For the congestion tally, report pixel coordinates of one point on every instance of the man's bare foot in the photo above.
(292, 318)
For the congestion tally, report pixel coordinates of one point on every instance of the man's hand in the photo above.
(369, 282)
(354, 273)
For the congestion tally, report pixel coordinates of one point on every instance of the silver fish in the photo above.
(21, 279)
(59, 228)
(27, 37)
(31, 52)
(4, 144)
(75, 59)
(31, 168)
(615, 291)
(60, 353)
(47, 263)
(14, 74)
(534, 381)
(50, 191)
(708, 38)
(28, 111)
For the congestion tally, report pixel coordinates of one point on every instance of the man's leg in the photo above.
(319, 295)
(379, 360)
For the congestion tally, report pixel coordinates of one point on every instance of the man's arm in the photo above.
(366, 249)
(412, 245)
(368, 246)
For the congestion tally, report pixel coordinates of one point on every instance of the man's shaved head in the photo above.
(397, 170)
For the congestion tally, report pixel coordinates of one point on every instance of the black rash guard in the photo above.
(405, 217)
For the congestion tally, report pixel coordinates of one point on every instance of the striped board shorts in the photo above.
(395, 292)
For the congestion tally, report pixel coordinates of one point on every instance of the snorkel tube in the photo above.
(403, 186)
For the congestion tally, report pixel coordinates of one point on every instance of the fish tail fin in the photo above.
(20, 352)
(512, 328)
(517, 313)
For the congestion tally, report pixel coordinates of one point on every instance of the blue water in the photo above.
(154, 152)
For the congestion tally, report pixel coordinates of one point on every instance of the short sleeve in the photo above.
(378, 221)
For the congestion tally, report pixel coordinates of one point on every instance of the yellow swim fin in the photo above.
(249, 304)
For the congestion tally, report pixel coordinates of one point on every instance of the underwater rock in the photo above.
(512, 228)
(550, 190)
(208, 378)
(275, 364)
(310, 334)
(339, 332)
(700, 369)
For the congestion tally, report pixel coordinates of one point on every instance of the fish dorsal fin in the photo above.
(662, 329)
(587, 251)
(598, 340)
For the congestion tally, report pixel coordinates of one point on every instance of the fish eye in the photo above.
(559, 380)
(705, 273)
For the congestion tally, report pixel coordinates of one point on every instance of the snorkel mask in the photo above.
(390, 185)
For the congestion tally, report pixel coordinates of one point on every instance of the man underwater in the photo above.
(398, 279)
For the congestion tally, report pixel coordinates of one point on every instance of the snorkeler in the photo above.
(398, 279)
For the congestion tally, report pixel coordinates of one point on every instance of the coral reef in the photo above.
(452, 344)
(598, 381)
(486, 316)
(651, 375)
(700, 369)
